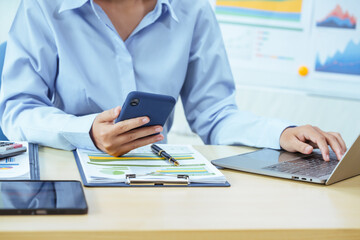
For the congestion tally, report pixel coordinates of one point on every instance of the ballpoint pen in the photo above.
(158, 151)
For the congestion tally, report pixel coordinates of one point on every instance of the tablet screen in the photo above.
(42, 197)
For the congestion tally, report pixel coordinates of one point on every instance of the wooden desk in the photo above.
(254, 207)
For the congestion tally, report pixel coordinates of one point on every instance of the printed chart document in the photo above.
(103, 168)
(17, 167)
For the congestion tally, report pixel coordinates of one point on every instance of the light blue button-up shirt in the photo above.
(65, 63)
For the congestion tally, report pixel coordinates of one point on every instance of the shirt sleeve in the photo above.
(28, 87)
(208, 94)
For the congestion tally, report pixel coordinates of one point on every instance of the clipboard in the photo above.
(133, 181)
(34, 161)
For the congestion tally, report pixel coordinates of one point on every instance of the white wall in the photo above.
(7, 13)
(330, 114)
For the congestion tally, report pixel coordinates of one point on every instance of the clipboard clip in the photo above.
(180, 180)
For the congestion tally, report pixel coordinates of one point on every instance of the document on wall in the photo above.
(99, 167)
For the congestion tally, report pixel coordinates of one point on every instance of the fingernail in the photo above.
(160, 137)
(145, 120)
(158, 129)
(327, 157)
(308, 149)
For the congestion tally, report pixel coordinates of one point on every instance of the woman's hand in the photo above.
(305, 138)
(119, 138)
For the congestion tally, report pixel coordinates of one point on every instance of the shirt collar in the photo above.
(73, 4)
(167, 6)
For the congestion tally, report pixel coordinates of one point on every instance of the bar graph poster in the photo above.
(280, 14)
(286, 10)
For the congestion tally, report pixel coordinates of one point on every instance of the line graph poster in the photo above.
(338, 18)
(268, 48)
(343, 62)
(337, 37)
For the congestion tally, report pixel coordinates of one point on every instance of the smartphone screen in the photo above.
(42, 197)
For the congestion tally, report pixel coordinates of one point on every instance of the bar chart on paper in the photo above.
(8, 163)
(134, 157)
(190, 171)
(142, 162)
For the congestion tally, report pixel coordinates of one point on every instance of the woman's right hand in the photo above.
(119, 138)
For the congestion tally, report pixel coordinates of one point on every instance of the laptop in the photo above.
(296, 166)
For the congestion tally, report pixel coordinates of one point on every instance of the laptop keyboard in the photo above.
(311, 166)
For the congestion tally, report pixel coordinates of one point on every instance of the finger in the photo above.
(299, 146)
(135, 134)
(116, 142)
(129, 124)
(334, 144)
(340, 140)
(317, 137)
(109, 115)
(136, 144)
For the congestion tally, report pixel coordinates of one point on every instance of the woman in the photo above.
(68, 61)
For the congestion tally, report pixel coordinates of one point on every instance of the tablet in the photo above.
(31, 197)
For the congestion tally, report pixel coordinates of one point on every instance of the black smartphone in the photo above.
(32, 197)
(155, 106)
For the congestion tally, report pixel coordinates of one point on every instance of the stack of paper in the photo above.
(17, 167)
(102, 168)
